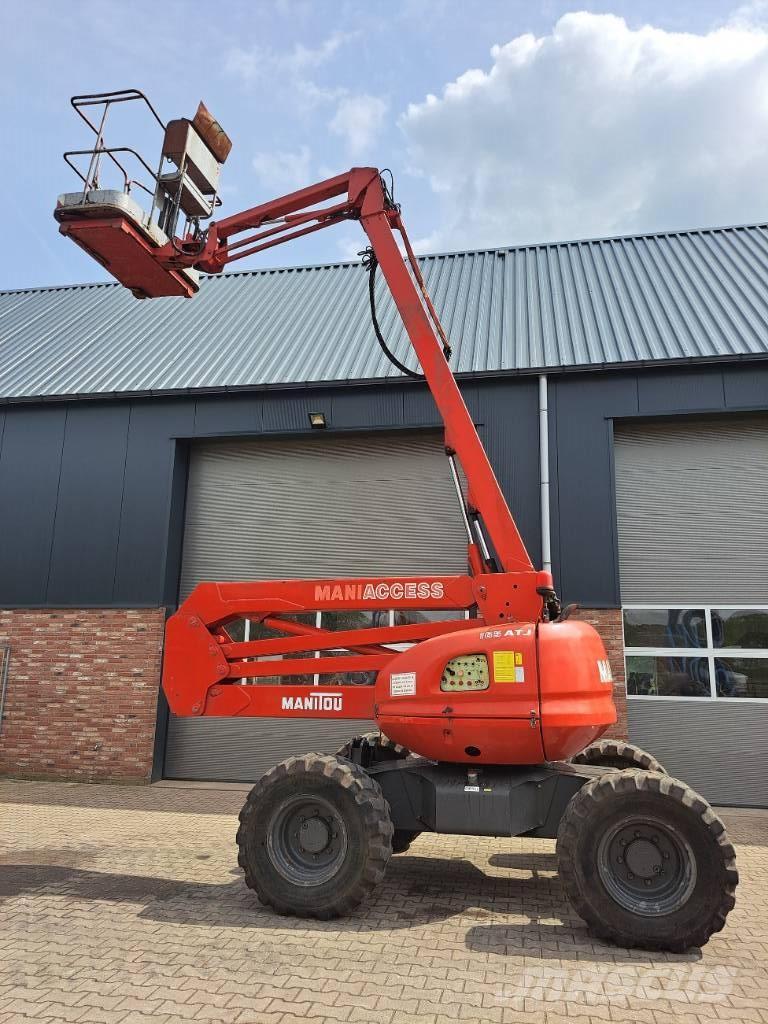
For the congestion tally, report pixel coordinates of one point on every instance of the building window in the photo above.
(705, 653)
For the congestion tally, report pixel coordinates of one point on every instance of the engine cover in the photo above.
(520, 693)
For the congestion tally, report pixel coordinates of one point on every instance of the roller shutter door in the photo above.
(352, 505)
(692, 515)
(691, 503)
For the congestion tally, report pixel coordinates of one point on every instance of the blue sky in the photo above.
(503, 122)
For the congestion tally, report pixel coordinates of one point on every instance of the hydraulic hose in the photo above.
(371, 263)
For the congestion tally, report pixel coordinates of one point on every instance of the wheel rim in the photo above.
(647, 866)
(307, 840)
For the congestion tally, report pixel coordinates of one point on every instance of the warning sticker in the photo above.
(402, 684)
(508, 667)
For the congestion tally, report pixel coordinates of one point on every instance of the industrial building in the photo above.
(258, 432)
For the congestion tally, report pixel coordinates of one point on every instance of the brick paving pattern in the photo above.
(125, 906)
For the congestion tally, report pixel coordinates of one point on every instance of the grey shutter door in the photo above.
(692, 516)
(692, 512)
(720, 748)
(351, 505)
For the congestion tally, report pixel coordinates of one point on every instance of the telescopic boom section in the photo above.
(365, 200)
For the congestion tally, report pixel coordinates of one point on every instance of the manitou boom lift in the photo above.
(478, 715)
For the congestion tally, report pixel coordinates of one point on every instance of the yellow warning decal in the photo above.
(508, 667)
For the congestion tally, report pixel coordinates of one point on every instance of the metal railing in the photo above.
(164, 209)
(100, 150)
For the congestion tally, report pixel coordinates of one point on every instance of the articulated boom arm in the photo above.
(201, 657)
(365, 199)
(203, 661)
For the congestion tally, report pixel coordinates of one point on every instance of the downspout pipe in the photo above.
(546, 539)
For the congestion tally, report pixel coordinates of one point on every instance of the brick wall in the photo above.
(81, 701)
(607, 622)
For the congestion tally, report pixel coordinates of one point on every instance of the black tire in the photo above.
(684, 865)
(381, 745)
(618, 754)
(382, 748)
(331, 868)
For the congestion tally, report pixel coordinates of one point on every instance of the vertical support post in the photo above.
(546, 537)
(92, 174)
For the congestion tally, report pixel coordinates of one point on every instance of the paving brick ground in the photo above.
(125, 905)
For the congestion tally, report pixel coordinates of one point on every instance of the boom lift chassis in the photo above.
(493, 702)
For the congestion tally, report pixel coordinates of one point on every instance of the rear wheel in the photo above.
(618, 754)
(315, 836)
(376, 747)
(646, 861)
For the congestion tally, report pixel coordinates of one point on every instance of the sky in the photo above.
(504, 122)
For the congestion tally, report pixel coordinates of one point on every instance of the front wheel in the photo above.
(315, 836)
(646, 862)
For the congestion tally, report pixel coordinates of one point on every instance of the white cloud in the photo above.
(302, 57)
(595, 129)
(358, 120)
(259, 62)
(283, 171)
(750, 14)
(290, 70)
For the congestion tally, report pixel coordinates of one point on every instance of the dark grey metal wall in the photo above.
(92, 493)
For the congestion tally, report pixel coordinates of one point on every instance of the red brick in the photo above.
(82, 693)
(607, 622)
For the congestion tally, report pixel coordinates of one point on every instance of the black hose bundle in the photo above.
(371, 263)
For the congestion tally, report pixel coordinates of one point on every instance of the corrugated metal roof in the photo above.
(651, 298)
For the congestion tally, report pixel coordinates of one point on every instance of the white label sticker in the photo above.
(471, 789)
(402, 684)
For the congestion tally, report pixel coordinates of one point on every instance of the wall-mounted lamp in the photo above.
(317, 420)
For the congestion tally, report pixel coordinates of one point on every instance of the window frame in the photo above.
(710, 652)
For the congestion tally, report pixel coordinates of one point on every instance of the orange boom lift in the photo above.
(479, 714)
